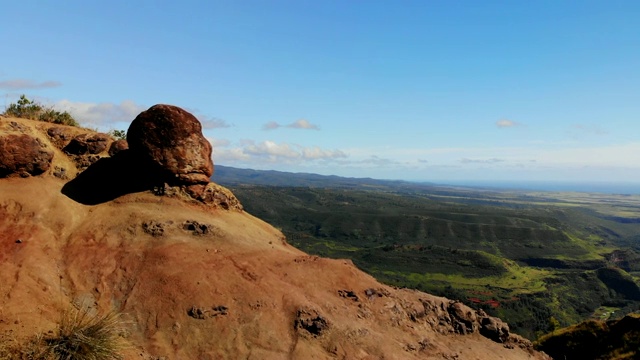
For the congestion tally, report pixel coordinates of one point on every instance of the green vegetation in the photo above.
(537, 260)
(30, 109)
(118, 134)
(81, 335)
(594, 339)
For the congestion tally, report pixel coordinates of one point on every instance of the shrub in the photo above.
(29, 109)
(118, 134)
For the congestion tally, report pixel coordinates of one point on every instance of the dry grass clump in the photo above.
(82, 334)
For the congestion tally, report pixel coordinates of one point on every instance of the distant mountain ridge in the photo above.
(230, 176)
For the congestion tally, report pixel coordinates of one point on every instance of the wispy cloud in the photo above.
(249, 151)
(298, 124)
(303, 124)
(480, 161)
(215, 142)
(378, 161)
(25, 84)
(271, 125)
(101, 114)
(213, 123)
(505, 123)
(579, 130)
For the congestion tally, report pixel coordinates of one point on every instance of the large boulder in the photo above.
(23, 155)
(172, 138)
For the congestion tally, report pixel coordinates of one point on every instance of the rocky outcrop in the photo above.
(88, 144)
(449, 316)
(165, 153)
(23, 155)
(171, 138)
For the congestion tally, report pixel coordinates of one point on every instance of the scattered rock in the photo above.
(196, 228)
(373, 293)
(87, 144)
(17, 126)
(309, 321)
(153, 228)
(23, 155)
(204, 313)
(172, 138)
(348, 294)
(60, 173)
(118, 146)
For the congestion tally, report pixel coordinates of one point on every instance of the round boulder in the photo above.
(23, 155)
(172, 138)
(118, 146)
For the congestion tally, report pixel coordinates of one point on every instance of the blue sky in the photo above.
(417, 90)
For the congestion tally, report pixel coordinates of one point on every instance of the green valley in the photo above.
(539, 260)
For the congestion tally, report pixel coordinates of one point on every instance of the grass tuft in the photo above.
(82, 334)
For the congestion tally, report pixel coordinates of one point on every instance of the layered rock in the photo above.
(171, 138)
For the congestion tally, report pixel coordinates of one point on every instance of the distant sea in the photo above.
(593, 187)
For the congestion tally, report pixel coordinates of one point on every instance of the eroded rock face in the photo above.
(172, 138)
(23, 155)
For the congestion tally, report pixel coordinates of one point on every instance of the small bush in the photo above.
(29, 109)
(118, 134)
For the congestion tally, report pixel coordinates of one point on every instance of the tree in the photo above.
(118, 134)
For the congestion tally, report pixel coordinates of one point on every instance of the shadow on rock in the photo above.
(112, 177)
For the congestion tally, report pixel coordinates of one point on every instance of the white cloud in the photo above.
(251, 152)
(298, 124)
(505, 123)
(24, 84)
(101, 115)
(272, 149)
